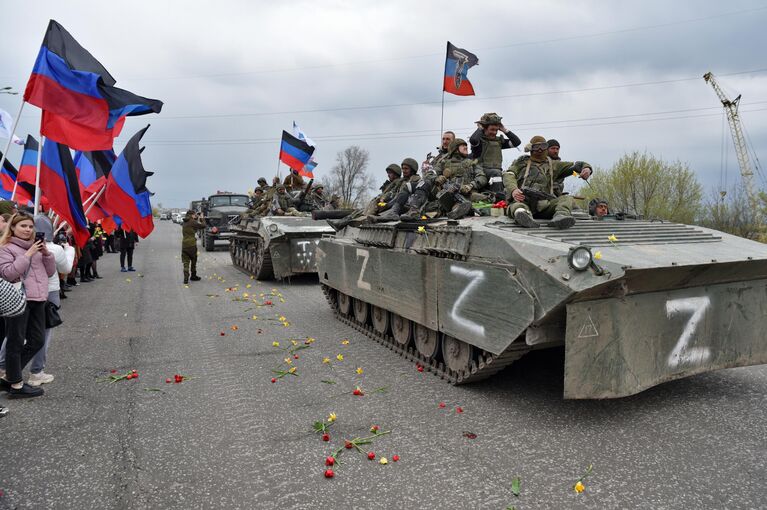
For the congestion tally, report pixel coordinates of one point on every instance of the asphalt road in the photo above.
(229, 438)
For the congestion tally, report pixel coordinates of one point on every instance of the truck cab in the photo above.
(219, 210)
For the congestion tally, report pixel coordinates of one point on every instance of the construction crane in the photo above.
(739, 140)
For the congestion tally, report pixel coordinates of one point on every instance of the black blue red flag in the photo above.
(25, 193)
(457, 65)
(80, 102)
(28, 167)
(58, 183)
(126, 191)
(92, 169)
(294, 152)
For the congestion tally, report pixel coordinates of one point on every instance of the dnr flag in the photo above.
(294, 152)
(457, 66)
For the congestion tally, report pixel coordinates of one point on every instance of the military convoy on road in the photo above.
(635, 303)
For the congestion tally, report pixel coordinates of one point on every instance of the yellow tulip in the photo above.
(612, 238)
(340, 357)
(597, 255)
(579, 487)
(274, 344)
(359, 370)
(344, 342)
(421, 230)
(381, 204)
(292, 370)
(332, 417)
(383, 461)
(326, 360)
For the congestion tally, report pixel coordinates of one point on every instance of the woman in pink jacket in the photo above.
(22, 257)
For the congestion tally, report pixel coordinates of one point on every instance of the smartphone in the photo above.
(40, 236)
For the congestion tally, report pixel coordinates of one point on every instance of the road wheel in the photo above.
(262, 267)
(209, 243)
(380, 320)
(361, 311)
(457, 354)
(344, 303)
(426, 341)
(401, 329)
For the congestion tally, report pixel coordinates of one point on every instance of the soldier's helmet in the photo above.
(594, 203)
(490, 118)
(412, 163)
(395, 168)
(553, 143)
(262, 180)
(453, 147)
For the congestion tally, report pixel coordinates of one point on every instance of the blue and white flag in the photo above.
(298, 133)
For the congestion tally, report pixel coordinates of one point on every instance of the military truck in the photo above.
(635, 303)
(219, 210)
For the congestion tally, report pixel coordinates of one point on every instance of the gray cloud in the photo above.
(241, 57)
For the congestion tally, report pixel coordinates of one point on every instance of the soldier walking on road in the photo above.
(189, 228)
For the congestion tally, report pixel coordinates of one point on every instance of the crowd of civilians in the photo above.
(50, 264)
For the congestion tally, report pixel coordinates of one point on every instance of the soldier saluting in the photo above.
(538, 175)
(191, 224)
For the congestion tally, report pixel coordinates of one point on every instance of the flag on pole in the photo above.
(308, 170)
(58, 182)
(6, 124)
(28, 167)
(295, 153)
(457, 65)
(126, 191)
(8, 175)
(78, 95)
(92, 169)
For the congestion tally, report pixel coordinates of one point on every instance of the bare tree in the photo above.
(732, 213)
(349, 178)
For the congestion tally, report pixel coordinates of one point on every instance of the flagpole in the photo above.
(94, 198)
(15, 183)
(10, 138)
(442, 118)
(37, 175)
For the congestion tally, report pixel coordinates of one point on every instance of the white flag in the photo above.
(6, 123)
(301, 135)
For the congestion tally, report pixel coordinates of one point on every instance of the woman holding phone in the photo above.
(24, 258)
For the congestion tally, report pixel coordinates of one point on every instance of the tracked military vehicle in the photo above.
(635, 303)
(276, 246)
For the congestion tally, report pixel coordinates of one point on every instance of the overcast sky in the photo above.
(604, 78)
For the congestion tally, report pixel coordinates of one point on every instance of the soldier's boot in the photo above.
(391, 214)
(525, 219)
(195, 278)
(417, 200)
(562, 221)
(186, 277)
(459, 210)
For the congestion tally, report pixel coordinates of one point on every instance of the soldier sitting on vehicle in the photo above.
(262, 184)
(320, 201)
(404, 190)
(459, 181)
(254, 205)
(379, 203)
(293, 181)
(487, 147)
(282, 203)
(530, 183)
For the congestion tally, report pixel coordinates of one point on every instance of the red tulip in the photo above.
(326, 437)
(348, 445)
(330, 461)
(134, 371)
(441, 405)
(395, 458)
(374, 428)
(295, 356)
(357, 392)
(222, 333)
(267, 302)
(371, 455)
(419, 368)
(329, 473)
(274, 380)
(129, 376)
(113, 371)
(459, 409)
(167, 381)
(134, 376)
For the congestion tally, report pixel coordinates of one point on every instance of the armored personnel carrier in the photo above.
(276, 246)
(635, 303)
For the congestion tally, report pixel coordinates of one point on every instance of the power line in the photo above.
(469, 99)
(430, 133)
(430, 55)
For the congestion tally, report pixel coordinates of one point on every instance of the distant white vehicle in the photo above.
(178, 218)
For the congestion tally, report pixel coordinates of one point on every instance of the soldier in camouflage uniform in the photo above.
(380, 202)
(404, 190)
(432, 161)
(487, 147)
(255, 204)
(553, 152)
(539, 172)
(189, 227)
(460, 180)
(293, 181)
(320, 201)
(262, 184)
(282, 203)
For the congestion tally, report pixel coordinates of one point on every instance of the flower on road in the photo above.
(344, 342)
(359, 370)
(326, 360)
(275, 344)
(579, 487)
(340, 357)
(332, 417)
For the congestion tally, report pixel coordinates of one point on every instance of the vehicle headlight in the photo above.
(273, 228)
(580, 258)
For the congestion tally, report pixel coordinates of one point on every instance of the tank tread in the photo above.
(488, 364)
